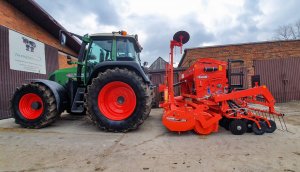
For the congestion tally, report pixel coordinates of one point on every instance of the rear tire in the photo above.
(149, 102)
(43, 114)
(130, 94)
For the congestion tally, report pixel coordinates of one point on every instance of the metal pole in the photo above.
(171, 79)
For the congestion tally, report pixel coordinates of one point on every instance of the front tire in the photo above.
(117, 100)
(34, 106)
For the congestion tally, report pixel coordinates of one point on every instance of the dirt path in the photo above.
(74, 144)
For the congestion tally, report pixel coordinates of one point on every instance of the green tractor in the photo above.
(109, 84)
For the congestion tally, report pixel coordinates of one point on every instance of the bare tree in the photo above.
(297, 24)
(288, 32)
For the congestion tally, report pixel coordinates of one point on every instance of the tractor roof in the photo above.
(111, 34)
(120, 34)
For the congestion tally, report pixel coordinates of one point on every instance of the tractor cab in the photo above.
(117, 46)
(111, 47)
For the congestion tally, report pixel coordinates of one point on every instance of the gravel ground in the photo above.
(74, 144)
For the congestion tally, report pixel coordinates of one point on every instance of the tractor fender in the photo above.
(58, 90)
(130, 65)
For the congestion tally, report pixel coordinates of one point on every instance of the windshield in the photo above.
(126, 50)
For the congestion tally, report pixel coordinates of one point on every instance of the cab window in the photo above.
(100, 51)
(125, 50)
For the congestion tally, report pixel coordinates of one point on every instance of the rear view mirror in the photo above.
(145, 64)
(62, 38)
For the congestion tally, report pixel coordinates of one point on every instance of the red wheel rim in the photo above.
(117, 100)
(25, 106)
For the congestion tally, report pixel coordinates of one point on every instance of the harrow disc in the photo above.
(238, 127)
(272, 128)
(249, 124)
(258, 131)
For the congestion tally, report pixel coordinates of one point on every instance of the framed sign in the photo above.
(26, 54)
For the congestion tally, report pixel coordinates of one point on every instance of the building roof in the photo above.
(178, 69)
(158, 64)
(36, 13)
(228, 45)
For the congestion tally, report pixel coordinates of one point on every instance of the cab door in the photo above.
(99, 52)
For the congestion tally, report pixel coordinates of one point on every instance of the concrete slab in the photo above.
(74, 144)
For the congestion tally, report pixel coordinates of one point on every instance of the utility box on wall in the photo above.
(255, 79)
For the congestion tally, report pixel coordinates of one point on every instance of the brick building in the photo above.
(29, 46)
(276, 62)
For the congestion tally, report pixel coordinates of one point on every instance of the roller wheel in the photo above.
(34, 106)
(272, 128)
(258, 131)
(237, 127)
(249, 124)
(117, 100)
(201, 130)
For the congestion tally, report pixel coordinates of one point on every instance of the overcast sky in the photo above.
(209, 22)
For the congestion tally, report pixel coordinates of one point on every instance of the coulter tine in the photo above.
(284, 123)
(264, 115)
(274, 118)
(280, 122)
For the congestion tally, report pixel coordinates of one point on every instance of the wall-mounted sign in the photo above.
(26, 54)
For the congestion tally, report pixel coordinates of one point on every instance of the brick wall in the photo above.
(16, 20)
(247, 52)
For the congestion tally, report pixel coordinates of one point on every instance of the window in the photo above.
(126, 50)
(100, 51)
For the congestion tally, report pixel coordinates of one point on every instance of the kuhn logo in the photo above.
(202, 76)
(30, 45)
